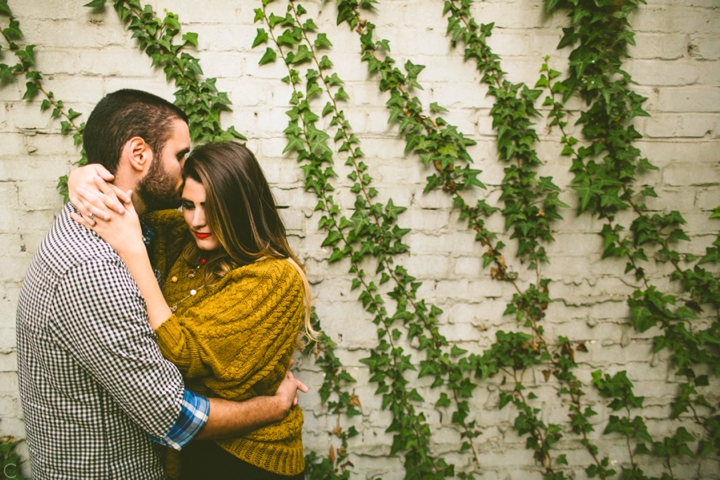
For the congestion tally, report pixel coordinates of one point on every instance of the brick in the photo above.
(212, 11)
(155, 85)
(708, 199)
(32, 168)
(39, 197)
(699, 126)
(675, 19)
(652, 72)
(52, 9)
(659, 45)
(689, 99)
(706, 47)
(691, 174)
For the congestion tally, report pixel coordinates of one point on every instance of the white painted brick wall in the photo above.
(85, 54)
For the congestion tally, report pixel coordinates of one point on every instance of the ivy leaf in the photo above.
(268, 57)
(309, 25)
(435, 108)
(341, 95)
(260, 38)
(415, 396)
(303, 54)
(72, 114)
(332, 239)
(505, 398)
(443, 401)
(32, 90)
(550, 5)
(328, 109)
(4, 8)
(322, 41)
(294, 143)
(13, 30)
(27, 56)
(333, 80)
(191, 38)
(325, 63)
(95, 4)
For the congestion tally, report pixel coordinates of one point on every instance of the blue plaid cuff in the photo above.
(193, 416)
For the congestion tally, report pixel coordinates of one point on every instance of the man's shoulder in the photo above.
(69, 244)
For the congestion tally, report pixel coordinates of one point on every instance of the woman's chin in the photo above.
(206, 245)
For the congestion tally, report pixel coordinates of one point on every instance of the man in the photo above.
(98, 397)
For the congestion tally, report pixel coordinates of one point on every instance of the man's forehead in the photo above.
(181, 134)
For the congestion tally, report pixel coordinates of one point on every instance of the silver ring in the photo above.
(91, 215)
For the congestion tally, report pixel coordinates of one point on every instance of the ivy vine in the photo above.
(25, 67)
(600, 34)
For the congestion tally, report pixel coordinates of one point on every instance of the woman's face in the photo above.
(193, 205)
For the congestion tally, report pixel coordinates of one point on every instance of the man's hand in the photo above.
(230, 419)
(287, 391)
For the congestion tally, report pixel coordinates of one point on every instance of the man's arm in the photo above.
(230, 419)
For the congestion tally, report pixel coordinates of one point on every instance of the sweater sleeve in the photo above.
(241, 335)
(170, 234)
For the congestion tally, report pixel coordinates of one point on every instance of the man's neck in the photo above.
(126, 182)
(139, 205)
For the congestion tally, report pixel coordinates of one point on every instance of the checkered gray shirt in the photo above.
(93, 382)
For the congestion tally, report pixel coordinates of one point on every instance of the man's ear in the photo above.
(138, 153)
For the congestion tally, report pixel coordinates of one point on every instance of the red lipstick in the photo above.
(202, 236)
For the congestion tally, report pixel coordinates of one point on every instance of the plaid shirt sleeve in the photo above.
(103, 323)
(193, 416)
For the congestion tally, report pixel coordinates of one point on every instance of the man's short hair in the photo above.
(125, 114)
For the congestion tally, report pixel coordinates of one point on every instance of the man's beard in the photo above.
(157, 190)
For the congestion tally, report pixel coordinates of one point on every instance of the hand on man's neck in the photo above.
(126, 180)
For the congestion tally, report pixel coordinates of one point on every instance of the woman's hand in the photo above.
(121, 231)
(95, 178)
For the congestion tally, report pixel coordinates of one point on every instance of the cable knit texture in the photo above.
(233, 339)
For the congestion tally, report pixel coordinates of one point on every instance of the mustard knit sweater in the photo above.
(233, 339)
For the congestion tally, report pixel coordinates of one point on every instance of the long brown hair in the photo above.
(241, 211)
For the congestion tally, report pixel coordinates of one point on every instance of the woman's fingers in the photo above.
(104, 173)
(83, 211)
(124, 197)
(108, 194)
(93, 204)
(80, 220)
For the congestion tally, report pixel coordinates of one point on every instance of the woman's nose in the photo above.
(199, 218)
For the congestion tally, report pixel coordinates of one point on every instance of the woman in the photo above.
(232, 304)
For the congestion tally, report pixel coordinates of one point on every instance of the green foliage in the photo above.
(600, 33)
(437, 143)
(9, 459)
(370, 232)
(199, 98)
(531, 203)
(34, 87)
(338, 400)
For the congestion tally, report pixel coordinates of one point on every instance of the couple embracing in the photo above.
(145, 331)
